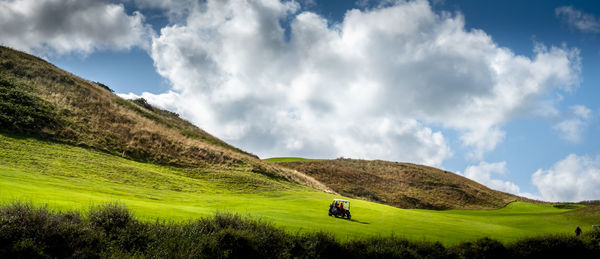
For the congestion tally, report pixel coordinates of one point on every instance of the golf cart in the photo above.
(339, 208)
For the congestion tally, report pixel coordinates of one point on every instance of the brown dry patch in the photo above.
(402, 185)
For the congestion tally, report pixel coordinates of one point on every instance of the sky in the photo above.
(501, 92)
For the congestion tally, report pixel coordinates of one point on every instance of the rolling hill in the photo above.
(39, 99)
(402, 185)
(66, 177)
(68, 143)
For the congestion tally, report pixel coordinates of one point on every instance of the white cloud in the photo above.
(577, 19)
(484, 172)
(574, 178)
(581, 111)
(372, 86)
(573, 127)
(63, 26)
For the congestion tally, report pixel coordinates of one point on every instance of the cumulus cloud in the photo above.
(577, 19)
(62, 26)
(572, 128)
(484, 173)
(374, 85)
(574, 178)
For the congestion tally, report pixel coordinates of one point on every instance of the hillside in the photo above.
(402, 185)
(38, 99)
(43, 101)
(65, 177)
(68, 144)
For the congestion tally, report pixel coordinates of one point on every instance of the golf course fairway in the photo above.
(65, 177)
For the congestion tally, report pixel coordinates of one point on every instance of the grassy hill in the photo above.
(401, 185)
(66, 177)
(68, 143)
(39, 99)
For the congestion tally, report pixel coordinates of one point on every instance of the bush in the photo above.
(110, 218)
(554, 247)
(142, 102)
(22, 111)
(393, 247)
(26, 231)
(104, 86)
(482, 248)
(316, 245)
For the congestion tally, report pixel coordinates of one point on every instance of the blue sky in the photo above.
(502, 92)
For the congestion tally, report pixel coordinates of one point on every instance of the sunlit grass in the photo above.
(66, 177)
(289, 159)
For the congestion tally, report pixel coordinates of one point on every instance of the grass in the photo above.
(66, 177)
(289, 159)
(111, 231)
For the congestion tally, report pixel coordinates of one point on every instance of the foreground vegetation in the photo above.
(112, 231)
(66, 177)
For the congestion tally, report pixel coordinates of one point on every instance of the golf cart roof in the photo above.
(341, 200)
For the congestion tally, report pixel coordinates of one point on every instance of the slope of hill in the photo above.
(66, 177)
(402, 185)
(42, 100)
(39, 99)
(68, 143)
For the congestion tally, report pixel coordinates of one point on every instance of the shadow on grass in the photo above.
(355, 221)
(360, 222)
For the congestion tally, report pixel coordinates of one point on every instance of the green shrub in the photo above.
(482, 248)
(566, 206)
(23, 111)
(26, 232)
(394, 247)
(552, 247)
(142, 102)
(104, 86)
(110, 218)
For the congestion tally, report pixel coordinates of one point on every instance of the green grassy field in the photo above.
(66, 177)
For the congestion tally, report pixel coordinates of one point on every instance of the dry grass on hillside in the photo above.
(92, 116)
(402, 185)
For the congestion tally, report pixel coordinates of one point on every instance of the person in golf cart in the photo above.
(336, 208)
